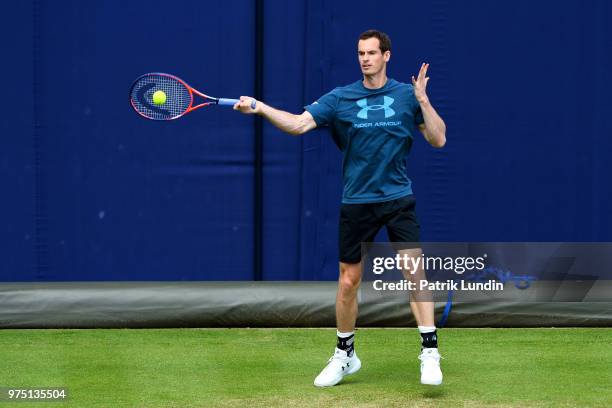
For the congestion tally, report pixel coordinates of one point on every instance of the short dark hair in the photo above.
(383, 39)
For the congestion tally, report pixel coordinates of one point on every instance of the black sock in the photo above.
(347, 344)
(429, 340)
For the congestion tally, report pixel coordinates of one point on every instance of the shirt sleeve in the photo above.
(324, 109)
(417, 113)
(418, 116)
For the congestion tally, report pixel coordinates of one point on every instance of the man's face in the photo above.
(371, 59)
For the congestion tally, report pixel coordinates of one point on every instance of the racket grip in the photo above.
(232, 102)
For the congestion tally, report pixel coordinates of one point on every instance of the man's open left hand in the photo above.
(420, 84)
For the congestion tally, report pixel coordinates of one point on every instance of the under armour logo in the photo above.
(363, 104)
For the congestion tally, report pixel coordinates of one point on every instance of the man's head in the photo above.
(374, 51)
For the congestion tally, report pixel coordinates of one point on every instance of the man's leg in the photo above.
(357, 224)
(421, 302)
(403, 227)
(346, 298)
(422, 306)
(345, 360)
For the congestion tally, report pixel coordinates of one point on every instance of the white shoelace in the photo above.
(340, 362)
(435, 357)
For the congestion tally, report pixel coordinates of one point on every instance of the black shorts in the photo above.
(361, 222)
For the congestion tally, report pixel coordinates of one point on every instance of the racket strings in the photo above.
(178, 97)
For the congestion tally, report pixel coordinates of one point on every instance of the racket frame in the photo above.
(211, 99)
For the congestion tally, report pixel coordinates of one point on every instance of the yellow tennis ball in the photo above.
(159, 97)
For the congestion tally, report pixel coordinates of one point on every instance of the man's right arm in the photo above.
(285, 121)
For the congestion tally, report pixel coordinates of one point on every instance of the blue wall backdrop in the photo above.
(93, 192)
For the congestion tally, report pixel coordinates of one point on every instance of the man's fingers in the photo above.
(413, 81)
(245, 104)
(421, 71)
(245, 101)
(242, 103)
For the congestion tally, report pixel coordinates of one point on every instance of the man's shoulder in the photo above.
(394, 84)
(402, 90)
(352, 87)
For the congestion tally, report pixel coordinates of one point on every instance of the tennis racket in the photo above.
(177, 97)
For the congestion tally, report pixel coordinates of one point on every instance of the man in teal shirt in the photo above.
(374, 129)
(373, 121)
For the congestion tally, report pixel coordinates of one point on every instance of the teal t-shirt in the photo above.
(374, 128)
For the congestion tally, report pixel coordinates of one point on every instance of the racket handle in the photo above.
(232, 102)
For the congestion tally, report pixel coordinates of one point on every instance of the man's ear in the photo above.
(387, 56)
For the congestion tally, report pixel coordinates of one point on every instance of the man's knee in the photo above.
(350, 277)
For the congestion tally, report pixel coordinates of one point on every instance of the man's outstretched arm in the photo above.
(285, 121)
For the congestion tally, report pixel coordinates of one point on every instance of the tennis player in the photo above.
(373, 121)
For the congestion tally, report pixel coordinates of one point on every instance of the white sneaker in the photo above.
(430, 367)
(337, 367)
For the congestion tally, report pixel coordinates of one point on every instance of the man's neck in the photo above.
(375, 81)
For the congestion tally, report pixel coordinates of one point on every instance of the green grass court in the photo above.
(276, 367)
